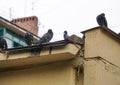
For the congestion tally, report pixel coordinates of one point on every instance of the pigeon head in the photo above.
(103, 14)
(65, 32)
(50, 31)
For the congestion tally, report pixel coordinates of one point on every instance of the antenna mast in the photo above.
(10, 11)
(33, 4)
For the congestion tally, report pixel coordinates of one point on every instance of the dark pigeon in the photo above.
(46, 37)
(28, 39)
(65, 35)
(119, 34)
(101, 20)
(3, 44)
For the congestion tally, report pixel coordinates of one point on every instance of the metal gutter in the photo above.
(44, 45)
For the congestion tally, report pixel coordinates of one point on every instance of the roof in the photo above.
(105, 29)
(22, 57)
(11, 26)
(72, 39)
(75, 39)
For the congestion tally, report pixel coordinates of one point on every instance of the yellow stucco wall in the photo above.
(60, 73)
(98, 43)
(90, 73)
(97, 72)
(23, 58)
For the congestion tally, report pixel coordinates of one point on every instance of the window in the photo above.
(16, 39)
(1, 31)
(22, 43)
(9, 43)
(13, 39)
(16, 44)
(8, 35)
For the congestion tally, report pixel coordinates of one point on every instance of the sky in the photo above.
(59, 15)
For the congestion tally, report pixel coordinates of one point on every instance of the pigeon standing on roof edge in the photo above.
(65, 36)
(101, 20)
(28, 38)
(3, 44)
(46, 37)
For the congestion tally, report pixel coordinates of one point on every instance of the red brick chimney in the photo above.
(28, 23)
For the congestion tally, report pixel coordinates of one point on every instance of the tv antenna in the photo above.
(33, 4)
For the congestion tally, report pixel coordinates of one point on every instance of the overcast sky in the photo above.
(71, 15)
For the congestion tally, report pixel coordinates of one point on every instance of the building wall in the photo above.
(60, 73)
(96, 71)
(100, 43)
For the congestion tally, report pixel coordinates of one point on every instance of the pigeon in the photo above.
(46, 37)
(65, 35)
(28, 38)
(101, 20)
(119, 34)
(3, 44)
